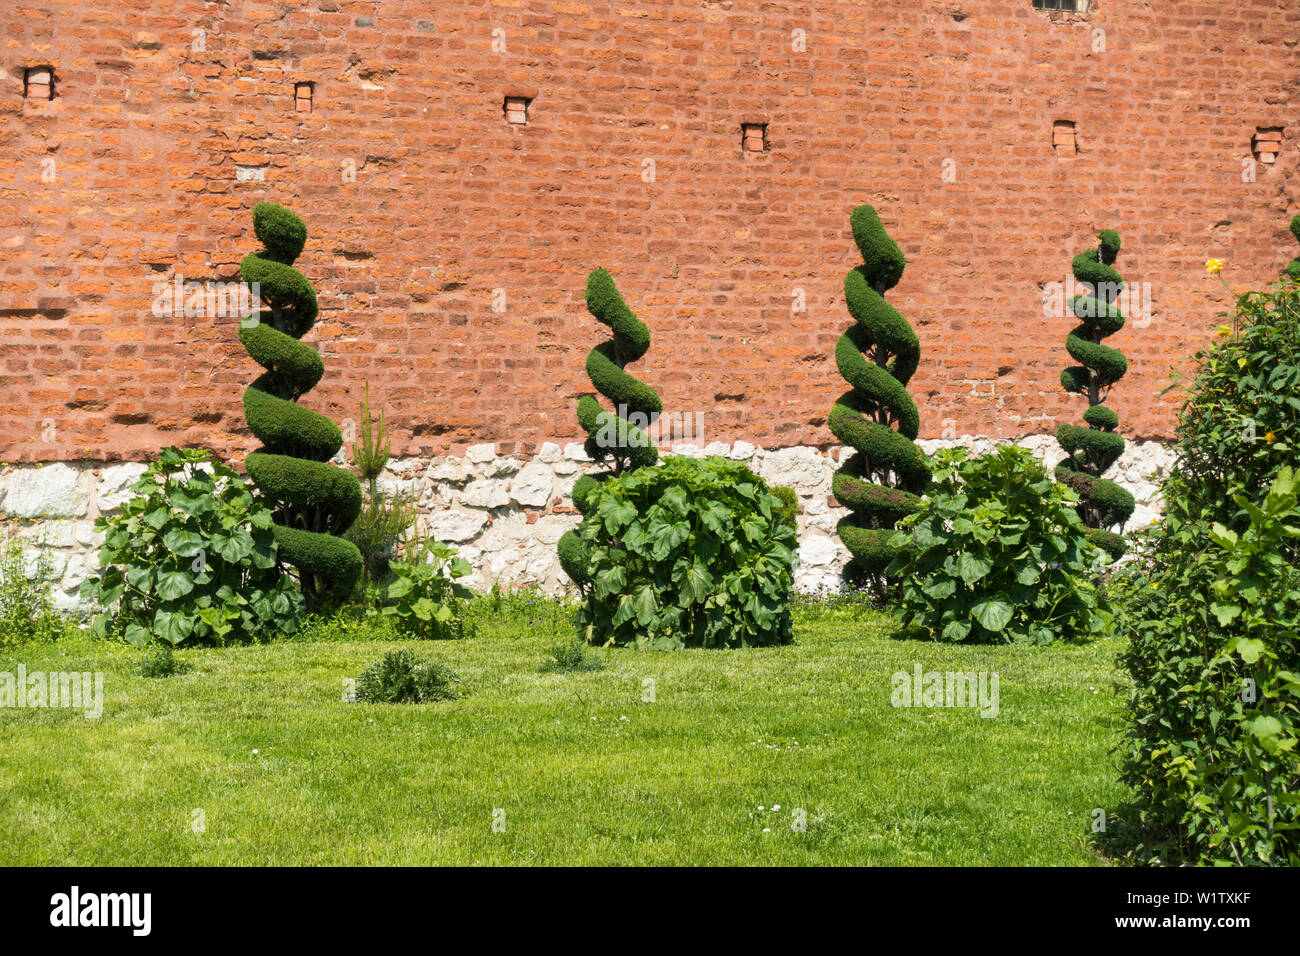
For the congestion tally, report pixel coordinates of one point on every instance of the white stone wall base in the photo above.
(505, 513)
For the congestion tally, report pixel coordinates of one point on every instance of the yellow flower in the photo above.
(1223, 331)
(1270, 437)
(1213, 266)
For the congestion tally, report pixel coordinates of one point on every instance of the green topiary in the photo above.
(1293, 267)
(1090, 451)
(616, 436)
(879, 484)
(314, 502)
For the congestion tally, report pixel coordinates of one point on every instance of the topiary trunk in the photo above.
(1090, 451)
(615, 436)
(312, 502)
(877, 356)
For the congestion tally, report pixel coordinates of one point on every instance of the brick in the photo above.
(158, 153)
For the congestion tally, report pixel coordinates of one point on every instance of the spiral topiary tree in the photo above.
(877, 356)
(312, 502)
(616, 436)
(1090, 451)
(1293, 267)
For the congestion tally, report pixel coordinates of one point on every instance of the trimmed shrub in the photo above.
(313, 502)
(400, 678)
(1090, 451)
(879, 484)
(618, 436)
(997, 555)
(690, 553)
(1211, 611)
(191, 557)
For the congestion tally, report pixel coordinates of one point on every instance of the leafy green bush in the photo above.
(27, 610)
(1240, 421)
(162, 662)
(423, 596)
(399, 678)
(191, 557)
(1210, 600)
(688, 553)
(998, 555)
(789, 510)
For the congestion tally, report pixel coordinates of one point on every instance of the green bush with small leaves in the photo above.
(192, 557)
(1210, 610)
(998, 555)
(399, 677)
(27, 612)
(690, 553)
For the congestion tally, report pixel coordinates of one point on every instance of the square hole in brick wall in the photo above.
(516, 109)
(302, 96)
(1065, 139)
(1266, 144)
(753, 137)
(38, 83)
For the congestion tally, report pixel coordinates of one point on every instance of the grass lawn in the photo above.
(287, 772)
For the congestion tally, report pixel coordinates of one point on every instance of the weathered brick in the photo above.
(421, 200)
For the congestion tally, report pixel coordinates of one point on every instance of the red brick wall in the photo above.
(451, 202)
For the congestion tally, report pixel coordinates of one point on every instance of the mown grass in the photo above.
(576, 764)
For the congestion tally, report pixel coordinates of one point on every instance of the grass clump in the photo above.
(400, 678)
(162, 663)
(570, 657)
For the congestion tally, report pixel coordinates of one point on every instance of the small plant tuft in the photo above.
(400, 678)
(162, 662)
(570, 657)
(27, 611)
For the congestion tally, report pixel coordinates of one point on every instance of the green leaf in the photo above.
(175, 584)
(994, 614)
(972, 567)
(1250, 649)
